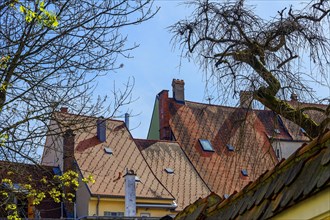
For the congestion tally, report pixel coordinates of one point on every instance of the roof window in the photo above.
(230, 147)
(244, 172)
(277, 131)
(108, 150)
(226, 196)
(137, 179)
(206, 145)
(169, 170)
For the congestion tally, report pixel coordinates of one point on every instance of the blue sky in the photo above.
(156, 62)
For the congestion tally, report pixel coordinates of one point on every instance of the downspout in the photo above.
(97, 205)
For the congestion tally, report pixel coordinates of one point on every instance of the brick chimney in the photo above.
(294, 97)
(178, 90)
(246, 98)
(164, 116)
(68, 164)
(101, 125)
(130, 194)
(64, 109)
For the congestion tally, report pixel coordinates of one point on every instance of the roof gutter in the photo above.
(161, 206)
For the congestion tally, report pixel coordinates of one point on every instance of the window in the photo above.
(226, 196)
(169, 170)
(277, 131)
(108, 150)
(230, 147)
(206, 145)
(244, 172)
(113, 214)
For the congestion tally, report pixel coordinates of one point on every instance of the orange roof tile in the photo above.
(108, 169)
(241, 128)
(185, 184)
(301, 176)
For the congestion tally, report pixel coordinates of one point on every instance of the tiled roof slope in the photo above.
(108, 169)
(243, 129)
(185, 184)
(301, 176)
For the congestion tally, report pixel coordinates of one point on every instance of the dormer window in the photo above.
(206, 145)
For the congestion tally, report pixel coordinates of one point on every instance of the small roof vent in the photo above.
(244, 172)
(169, 170)
(108, 150)
(230, 147)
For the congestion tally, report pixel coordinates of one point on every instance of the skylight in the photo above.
(244, 172)
(108, 150)
(137, 179)
(169, 170)
(230, 147)
(206, 145)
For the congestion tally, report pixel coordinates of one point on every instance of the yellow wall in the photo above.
(315, 207)
(118, 205)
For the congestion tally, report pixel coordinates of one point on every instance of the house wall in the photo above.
(118, 205)
(153, 133)
(284, 149)
(82, 199)
(315, 207)
(53, 150)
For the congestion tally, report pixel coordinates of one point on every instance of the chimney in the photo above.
(178, 90)
(164, 116)
(246, 98)
(294, 97)
(127, 120)
(130, 194)
(64, 109)
(101, 129)
(68, 164)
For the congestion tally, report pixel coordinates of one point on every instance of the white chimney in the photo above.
(130, 194)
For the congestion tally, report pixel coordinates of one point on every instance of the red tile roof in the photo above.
(185, 183)
(108, 169)
(301, 176)
(241, 128)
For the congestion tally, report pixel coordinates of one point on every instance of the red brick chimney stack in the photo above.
(164, 116)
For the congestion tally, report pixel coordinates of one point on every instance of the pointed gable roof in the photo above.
(184, 183)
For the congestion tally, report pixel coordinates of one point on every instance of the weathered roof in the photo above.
(184, 183)
(241, 128)
(108, 169)
(302, 175)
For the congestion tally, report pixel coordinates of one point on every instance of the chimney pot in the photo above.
(127, 120)
(294, 97)
(178, 90)
(101, 129)
(64, 109)
(246, 98)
